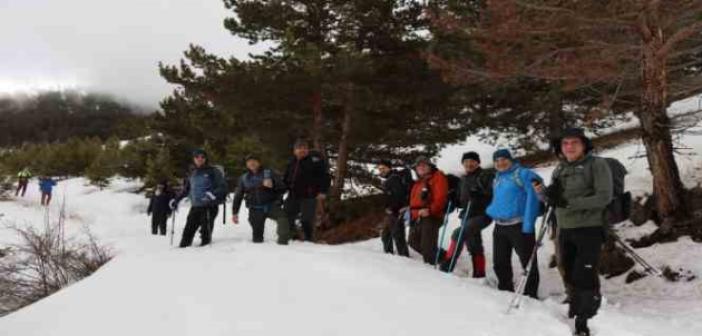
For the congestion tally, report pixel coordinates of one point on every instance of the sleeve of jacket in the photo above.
(487, 180)
(323, 179)
(533, 203)
(463, 193)
(184, 192)
(279, 185)
(221, 188)
(603, 185)
(286, 175)
(439, 190)
(396, 193)
(151, 206)
(238, 196)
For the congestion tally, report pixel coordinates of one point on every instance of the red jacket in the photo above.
(437, 185)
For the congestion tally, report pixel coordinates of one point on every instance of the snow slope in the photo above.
(234, 287)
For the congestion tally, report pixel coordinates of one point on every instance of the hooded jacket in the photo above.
(514, 199)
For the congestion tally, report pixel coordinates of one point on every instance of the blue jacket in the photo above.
(514, 198)
(46, 185)
(201, 181)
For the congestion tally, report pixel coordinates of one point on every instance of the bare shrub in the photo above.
(43, 262)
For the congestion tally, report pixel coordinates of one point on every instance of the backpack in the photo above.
(619, 209)
(220, 198)
(407, 182)
(454, 187)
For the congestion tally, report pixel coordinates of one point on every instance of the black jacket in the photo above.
(476, 188)
(308, 177)
(396, 193)
(159, 205)
(250, 188)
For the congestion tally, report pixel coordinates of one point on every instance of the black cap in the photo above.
(386, 163)
(301, 143)
(470, 156)
(252, 157)
(199, 151)
(423, 159)
(572, 132)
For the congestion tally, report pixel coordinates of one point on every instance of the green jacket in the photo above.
(588, 188)
(24, 174)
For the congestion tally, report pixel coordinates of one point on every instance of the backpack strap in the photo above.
(516, 176)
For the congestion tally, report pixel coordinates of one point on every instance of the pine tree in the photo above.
(347, 74)
(639, 54)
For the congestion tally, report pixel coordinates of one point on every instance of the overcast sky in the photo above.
(107, 45)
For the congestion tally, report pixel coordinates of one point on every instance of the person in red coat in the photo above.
(428, 206)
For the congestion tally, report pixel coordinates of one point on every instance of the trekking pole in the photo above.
(638, 258)
(443, 234)
(173, 226)
(459, 242)
(518, 294)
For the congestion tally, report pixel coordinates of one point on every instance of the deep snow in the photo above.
(234, 287)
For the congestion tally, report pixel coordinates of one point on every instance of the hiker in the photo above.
(263, 190)
(307, 179)
(581, 190)
(474, 196)
(206, 188)
(22, 181)
(428, 201)
(159, 208)
(514, 208)
(396, 188)
(46, 186)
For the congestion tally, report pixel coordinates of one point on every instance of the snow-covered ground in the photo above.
(234, 287)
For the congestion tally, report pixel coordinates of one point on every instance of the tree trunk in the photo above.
(318, 122)
(343, 155)
(668, 189)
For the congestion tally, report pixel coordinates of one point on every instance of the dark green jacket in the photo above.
(588, 189)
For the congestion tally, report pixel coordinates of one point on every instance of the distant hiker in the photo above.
(428, 202)
(307, 179)
(263, 190)
(396, 187)
(206, 189)
(581, 190)
(46, 186)
(22, 180)
(475, 195)
(514, 208)
(159, 208)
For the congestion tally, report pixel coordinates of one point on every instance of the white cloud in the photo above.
(106, 45)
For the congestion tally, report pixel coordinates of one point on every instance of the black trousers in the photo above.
(306, 209)
(257, 219)
(580, 251)
(158, 223)
(505, 239)
(394, 230)
(199, 218)
(21, 188)
(424, 236)
(472, 236)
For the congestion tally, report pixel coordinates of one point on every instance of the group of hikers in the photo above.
(306, 182)
(511, 196)
(46, 185)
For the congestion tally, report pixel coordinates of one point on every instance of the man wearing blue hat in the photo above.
(206, 188)
(514, 208)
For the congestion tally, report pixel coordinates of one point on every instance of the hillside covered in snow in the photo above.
(234, 287)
